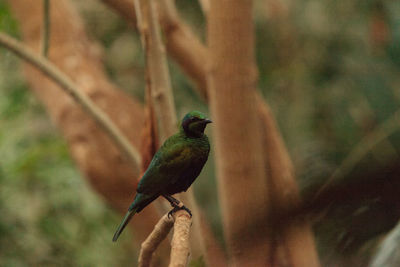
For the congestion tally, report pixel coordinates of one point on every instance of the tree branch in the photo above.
(240, 159)
(180, 245)
(149, 246)
(295, 238)
(157, 68)
(66, 83)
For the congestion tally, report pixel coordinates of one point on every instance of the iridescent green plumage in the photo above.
(174, 167)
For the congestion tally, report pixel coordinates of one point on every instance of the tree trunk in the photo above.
(103, 164)
(238, 145)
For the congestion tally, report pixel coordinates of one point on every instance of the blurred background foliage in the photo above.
(330, 71)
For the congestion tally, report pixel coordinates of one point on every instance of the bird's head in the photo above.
(194, 123)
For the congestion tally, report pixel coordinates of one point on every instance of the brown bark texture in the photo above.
(105, 167)
(180, 243)
(241, 176)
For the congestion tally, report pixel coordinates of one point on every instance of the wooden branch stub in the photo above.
(180, 244)
(151, 243)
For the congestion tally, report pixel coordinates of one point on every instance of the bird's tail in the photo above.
(124, 222)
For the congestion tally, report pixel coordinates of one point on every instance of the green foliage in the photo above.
(7, 22)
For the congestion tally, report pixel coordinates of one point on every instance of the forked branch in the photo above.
(180, 248)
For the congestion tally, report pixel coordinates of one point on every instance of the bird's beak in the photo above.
(206, 121)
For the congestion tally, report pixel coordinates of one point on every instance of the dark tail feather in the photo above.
(124, 222)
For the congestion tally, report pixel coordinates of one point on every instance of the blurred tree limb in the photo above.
(242, 180)
(295, 238)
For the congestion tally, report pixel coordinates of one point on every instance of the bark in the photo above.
(105, 167)
(180, 243)
(149, 246)
(237, 135)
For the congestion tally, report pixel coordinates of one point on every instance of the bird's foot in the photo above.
(177, 207)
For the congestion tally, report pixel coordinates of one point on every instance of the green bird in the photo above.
(173, 168)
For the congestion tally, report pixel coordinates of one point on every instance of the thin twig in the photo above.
(69, 86)
(46, 27)
(151, 243)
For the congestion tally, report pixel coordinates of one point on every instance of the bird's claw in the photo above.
(187, 210)
(171, 212)
(176, 208)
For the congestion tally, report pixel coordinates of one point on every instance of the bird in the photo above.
(173, 168)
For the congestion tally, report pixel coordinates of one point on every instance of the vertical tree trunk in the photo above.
(239, 154)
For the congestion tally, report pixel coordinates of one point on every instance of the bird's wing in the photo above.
(167, 166)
